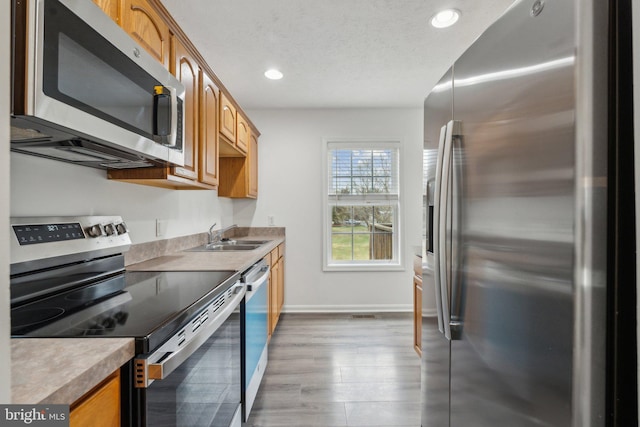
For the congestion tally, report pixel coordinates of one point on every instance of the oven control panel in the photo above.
(40, 238)
(31, 234)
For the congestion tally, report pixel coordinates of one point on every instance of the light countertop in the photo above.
(210, 261)
(61, 370)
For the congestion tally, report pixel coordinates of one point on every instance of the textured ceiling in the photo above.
(333, 53)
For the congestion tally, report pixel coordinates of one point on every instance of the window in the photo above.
(362, 205)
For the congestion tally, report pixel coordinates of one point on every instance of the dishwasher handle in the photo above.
(161, 363)
(262, 270)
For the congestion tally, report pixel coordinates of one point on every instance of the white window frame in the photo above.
(394, 264)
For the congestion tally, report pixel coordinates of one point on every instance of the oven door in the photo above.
(194, 378)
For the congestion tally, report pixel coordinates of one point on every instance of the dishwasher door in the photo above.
(254, 349)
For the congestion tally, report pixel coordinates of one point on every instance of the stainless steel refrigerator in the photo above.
(531, 224)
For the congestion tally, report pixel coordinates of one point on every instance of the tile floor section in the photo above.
(335, 370)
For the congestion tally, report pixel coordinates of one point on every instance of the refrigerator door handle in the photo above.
(437, 274)
(446, 260)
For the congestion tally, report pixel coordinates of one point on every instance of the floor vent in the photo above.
(363, 316)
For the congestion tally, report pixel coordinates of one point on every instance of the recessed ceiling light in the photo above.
(445, 18)
(273, 74)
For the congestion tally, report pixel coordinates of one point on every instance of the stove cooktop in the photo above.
(147, 306)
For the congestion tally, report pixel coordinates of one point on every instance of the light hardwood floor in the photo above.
(335, 370)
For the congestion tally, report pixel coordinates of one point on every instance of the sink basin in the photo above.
(225, 247)
(245, 242)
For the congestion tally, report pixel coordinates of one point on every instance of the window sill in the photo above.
(363, 267)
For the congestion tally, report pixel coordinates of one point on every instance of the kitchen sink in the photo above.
(223, 248)
(244, 242)
(229, 246)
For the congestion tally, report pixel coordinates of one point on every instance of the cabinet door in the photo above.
(253, 165)
(147, 28)
(242, 133)
(227, 119)
(280, 285)
(273, 291)
(209, 101)
(100, 407)
(417, 314)
(186, 69)
(110, 7)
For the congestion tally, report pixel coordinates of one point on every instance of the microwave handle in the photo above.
(173, 136)
(161, 135)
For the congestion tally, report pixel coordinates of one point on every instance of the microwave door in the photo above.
(89, 77)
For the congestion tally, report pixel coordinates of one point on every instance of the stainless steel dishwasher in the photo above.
(254, 333)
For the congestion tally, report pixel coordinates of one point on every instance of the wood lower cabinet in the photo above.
(100, 407)
(417, 305)
(276, 288)
(146, 26)
(417, 314)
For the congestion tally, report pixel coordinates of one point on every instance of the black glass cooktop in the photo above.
(148, 306)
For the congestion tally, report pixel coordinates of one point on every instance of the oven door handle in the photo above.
(167, 362)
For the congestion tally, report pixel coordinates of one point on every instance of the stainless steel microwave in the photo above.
(84, 92)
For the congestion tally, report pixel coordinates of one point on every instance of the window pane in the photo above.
(341, 247)
(383, 215)
(363, 171)
(362, 233)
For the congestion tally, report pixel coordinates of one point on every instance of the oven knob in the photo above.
(109, 323)
(96, 230)
(110, 229)
(122, 228)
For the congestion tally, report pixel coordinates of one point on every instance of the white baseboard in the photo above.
(374, 308)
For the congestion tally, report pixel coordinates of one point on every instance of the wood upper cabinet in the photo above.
(253, 165)
(110, 7)
(239, 175)
(209, 102)
(227, 119)
(242, 133)
(220, 143)
(186, 69)
(145, 25)
(100, 407)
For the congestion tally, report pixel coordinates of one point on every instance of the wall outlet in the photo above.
(271, 221)
(161, 227)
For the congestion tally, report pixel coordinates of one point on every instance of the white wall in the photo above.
(5, 353)
(47, 187)
(290, 180)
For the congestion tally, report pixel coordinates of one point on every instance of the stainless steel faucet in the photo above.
(215, 237)
(211, 232)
